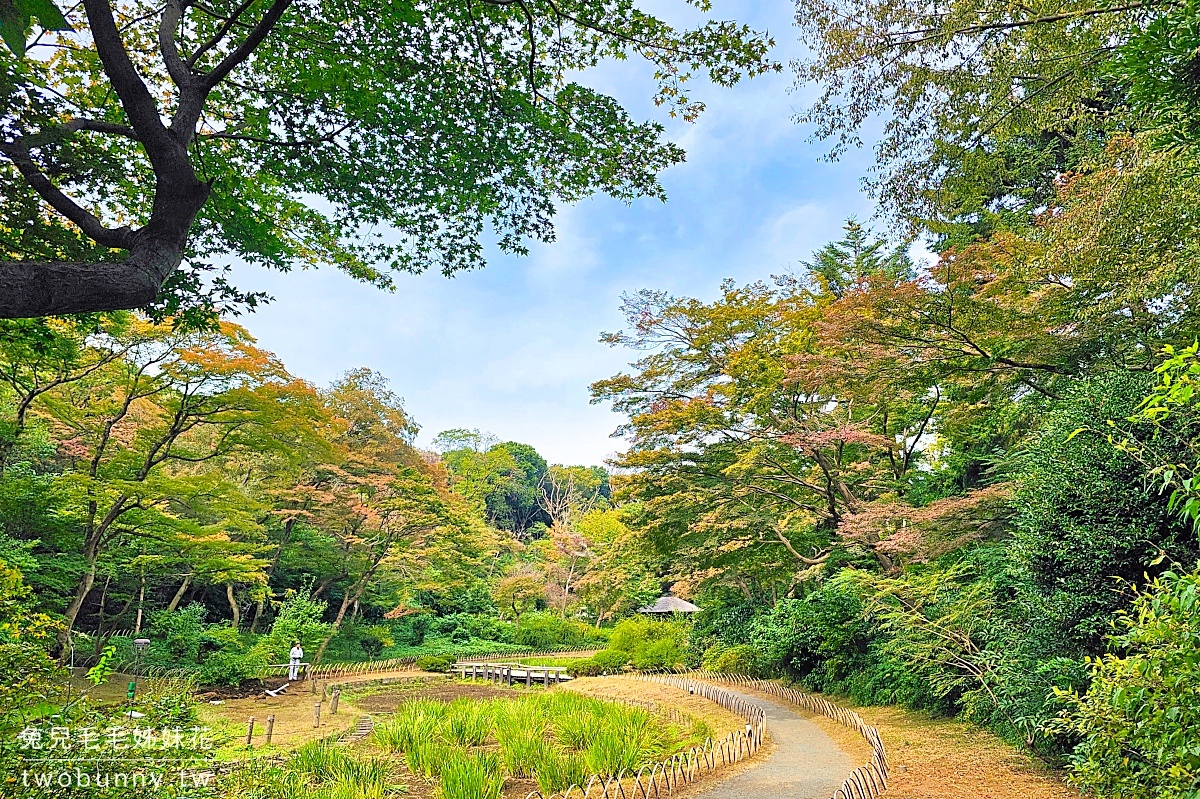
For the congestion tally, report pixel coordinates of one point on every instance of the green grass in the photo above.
(467, 722)
(324, 770)
(471, 776)
(557, 738)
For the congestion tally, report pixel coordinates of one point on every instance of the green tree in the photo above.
(518, 593)
(1139, 720)
(206, 129)
(842, 265)
(986, 104)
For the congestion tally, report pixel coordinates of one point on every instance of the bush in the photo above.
(650, 644)
(665, 653)
(1139, 720)
(374, 639)
(608, 661)
(439, 663)
(298, 619)
(228, 667)
(738, 659)
(175, 636)
(548, 631)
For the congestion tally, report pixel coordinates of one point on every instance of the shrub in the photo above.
(1139, 720)
(548, 631)
(229, 667)
(637, 636)
(739, 659)
(607, 661)
(374, 639)
(175, 636)
(439, 663)
(298, 619)
(666, 653)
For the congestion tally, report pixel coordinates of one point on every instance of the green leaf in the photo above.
(16, 17)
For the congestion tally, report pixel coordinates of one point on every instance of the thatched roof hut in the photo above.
(669, 604)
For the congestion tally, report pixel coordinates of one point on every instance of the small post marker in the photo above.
(270, 727)
(250, 732)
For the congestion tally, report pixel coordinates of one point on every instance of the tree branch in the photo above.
(168, 26)
(221, 33)
(89, 223)
(128, 84)
(249, 45)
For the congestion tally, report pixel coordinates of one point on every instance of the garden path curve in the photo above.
(804, 764)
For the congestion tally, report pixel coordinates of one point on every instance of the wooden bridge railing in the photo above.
(512, 673)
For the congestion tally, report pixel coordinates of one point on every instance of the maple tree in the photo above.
(139, 137)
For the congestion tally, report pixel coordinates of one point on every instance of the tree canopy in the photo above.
(145, 144)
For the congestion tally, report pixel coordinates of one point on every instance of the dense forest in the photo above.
(948, 462)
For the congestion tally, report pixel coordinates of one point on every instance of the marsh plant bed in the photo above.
(509, 745)
(389, 697)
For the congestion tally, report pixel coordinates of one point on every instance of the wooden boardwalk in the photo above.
(512, 673)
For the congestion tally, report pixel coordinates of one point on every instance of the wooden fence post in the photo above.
(270, 727)
(250, 732)
(333, 702)
(316, 715)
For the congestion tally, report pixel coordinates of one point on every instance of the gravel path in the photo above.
(805, 763)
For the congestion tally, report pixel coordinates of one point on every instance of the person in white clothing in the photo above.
(294, 667)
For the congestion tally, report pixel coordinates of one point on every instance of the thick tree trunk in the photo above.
(233, 606)
(46, 288)
(175, 600)
(82, 589)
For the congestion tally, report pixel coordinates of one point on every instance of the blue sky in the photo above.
(512, 348)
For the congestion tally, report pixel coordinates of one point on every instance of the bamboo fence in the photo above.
(865, 782)
(683, 768)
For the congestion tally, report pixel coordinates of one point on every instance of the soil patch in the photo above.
(718, 718)
(948, 759)
(250, 689)
(293, 712)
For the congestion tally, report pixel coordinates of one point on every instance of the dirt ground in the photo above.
(720, 720)
(947, 759)
(293, 711)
